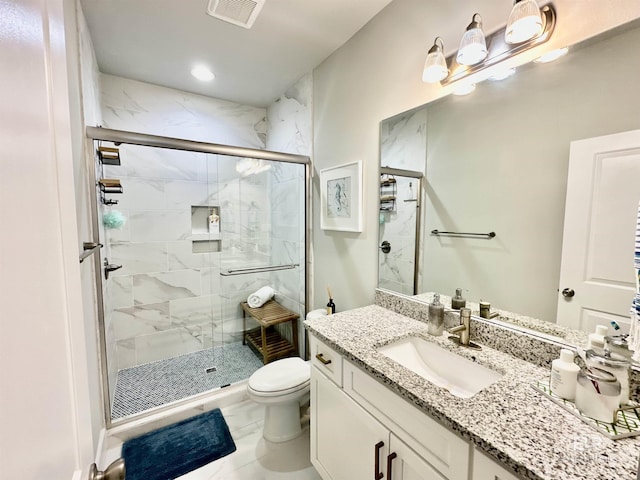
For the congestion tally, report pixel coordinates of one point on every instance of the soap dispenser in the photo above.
(564, 375)
(435, 326)
(458, 301)
(596, 339)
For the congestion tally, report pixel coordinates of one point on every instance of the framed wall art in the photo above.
(341, 198)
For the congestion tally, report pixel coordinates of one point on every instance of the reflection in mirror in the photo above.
(399, 231)
(498, 160)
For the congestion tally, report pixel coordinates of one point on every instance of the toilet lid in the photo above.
(280, 375)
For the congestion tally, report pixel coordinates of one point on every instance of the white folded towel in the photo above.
(260, 297)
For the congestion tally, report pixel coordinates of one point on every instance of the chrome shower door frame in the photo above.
(141, 139)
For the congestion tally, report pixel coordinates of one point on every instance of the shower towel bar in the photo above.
(89, 249)
(270, 268)
(463, 234)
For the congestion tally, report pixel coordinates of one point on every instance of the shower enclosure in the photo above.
(399, 230)
(196, 228)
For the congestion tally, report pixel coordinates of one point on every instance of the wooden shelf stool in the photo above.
(267, 341)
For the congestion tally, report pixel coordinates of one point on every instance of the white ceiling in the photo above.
(159, 42)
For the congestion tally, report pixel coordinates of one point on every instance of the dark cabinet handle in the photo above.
(378, 473)
(390, 458)
(324, 361)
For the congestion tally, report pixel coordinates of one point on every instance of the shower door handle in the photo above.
(109, 267)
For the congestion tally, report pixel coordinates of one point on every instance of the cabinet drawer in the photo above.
(326, 359)
(443, 449)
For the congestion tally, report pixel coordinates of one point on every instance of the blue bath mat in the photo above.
(174, 450)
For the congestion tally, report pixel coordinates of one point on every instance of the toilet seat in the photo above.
(281, 377)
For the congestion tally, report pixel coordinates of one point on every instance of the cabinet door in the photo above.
(343, 435)
(484, 468)
(407, 464)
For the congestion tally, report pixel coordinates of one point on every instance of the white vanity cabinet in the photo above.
(361, 429)
(343, 435)
(365, 431)
(349, 443)
(484, 468)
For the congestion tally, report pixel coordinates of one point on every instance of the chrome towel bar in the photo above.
(463, 234)
(89, 249)
(270, 268)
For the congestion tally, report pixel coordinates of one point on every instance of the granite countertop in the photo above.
(509, 420)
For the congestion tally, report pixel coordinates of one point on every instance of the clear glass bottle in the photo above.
(435, 325)
(598, 394)
(613, 363)
(458, 301)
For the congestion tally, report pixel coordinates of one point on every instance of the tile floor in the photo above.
(254, 458)
(158, 383)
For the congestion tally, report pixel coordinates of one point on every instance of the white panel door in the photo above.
(603, 191)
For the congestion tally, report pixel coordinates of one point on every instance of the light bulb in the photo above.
(552, 55)
(525, 22)
(473, 46)
(202, 73)
(435, 66)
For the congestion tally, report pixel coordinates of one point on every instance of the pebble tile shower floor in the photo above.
(158, 383)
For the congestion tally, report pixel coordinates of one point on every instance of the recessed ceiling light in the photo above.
(202, 73)
(552, 55)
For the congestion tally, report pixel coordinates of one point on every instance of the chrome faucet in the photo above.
(485, 310)
(464, 330)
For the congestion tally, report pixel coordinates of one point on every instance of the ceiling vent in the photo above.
(239, 12)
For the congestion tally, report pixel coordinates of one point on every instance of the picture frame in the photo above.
(341, 198)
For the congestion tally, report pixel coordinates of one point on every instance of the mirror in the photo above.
(399, 230)
(497, 161)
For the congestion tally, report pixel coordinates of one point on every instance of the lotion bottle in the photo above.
(564, 375)
(435, 326)
(596, 339)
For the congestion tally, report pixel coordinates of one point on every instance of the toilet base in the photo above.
(282, 422)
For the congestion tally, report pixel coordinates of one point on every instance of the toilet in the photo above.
(282, 387)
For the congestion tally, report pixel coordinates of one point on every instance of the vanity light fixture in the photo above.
(477, 53)
(525, 22)
(552, 55)
(435, 67)
(202, 73)
(473, 46)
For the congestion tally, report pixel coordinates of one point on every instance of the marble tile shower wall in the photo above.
(289, 121)
(160, 304)
(403, 144)
(166, 300)
(396, 268)
(287, 202)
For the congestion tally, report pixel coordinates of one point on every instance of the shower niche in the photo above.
(205, 229)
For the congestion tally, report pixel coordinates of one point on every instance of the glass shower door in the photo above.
(263, 248)
(399, 231)
(201, 232)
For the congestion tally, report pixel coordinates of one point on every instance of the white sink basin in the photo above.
(462, 377)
